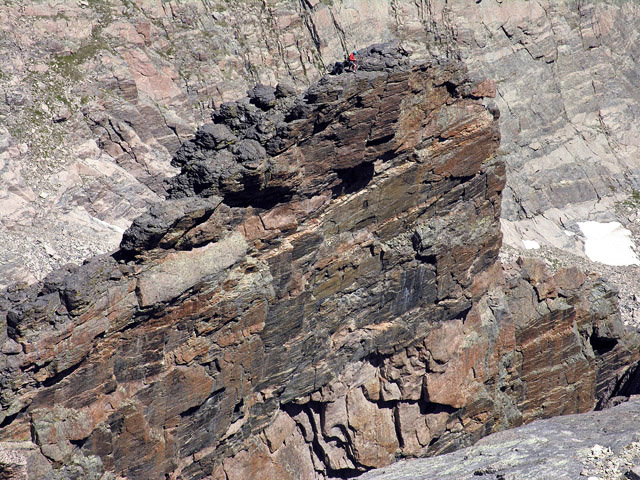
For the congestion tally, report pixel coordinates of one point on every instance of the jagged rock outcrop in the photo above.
(319, 295)
(97, 96)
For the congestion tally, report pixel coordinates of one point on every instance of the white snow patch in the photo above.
(115, 228)
(608, 243)
(531, 244)
(569, 233)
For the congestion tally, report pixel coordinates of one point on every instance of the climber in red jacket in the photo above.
(353, 64)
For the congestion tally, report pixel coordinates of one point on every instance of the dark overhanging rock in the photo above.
(263, 96)
(165, 223)
(215, 136)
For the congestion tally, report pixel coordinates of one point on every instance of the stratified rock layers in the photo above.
(319, 295)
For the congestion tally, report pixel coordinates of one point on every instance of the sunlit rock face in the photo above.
(98, 96)
(318, 295)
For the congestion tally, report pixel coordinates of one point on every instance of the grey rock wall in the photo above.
(567, 89)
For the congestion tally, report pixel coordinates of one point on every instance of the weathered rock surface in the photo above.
(326, 302)
(602, 445)
(22, 461)
(97, 96)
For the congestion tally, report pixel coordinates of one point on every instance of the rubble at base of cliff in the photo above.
(624, 278)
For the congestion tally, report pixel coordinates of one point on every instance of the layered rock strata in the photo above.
(97, 96)
(318, 295)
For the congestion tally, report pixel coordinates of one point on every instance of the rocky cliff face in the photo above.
(319, 295)
(97, 97)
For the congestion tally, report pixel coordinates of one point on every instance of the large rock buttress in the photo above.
(319, 295)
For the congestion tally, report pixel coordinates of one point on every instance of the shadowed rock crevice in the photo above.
(266, 199)
(621, 389)
(603, 345)
(353, 179)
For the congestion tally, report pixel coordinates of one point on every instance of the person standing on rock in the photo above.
(353, 64)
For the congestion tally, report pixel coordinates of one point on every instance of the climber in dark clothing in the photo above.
(353, 64)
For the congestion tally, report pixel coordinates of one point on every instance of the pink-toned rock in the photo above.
(281, 218)
(335, 418)
(570, 278)
(412, 427)
(486, 88)
(40, 11)
(280, 430)
(127, 33)
(373, 434)
(143, 27)
(257, 464)
(149, 80)
(454, 383)
(540, 277)
(363, 324)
